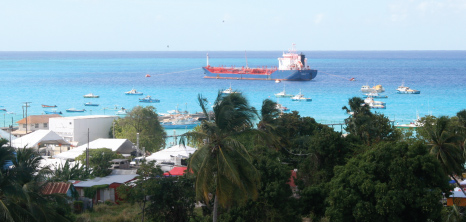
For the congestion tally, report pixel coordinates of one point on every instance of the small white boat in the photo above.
(74, 110)
(90, 95)
(369, 101)
(281, 107)
(377, 88)
(91, 104)
(375, 95)
(149, 99)
(277, 81)
(300, 97)
(133, 92)
(122, 112)
(406, 90)
(229, 91)
(283, 94)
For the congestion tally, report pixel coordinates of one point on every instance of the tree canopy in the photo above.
(142, 120)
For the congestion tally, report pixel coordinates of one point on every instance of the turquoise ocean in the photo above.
(62, 78)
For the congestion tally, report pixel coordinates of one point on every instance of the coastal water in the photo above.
(62, 78)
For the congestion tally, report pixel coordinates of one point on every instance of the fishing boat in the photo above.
(133, 92)
(291, 66)
(121, 112)
(369, 101)
(52, 112)
(283, 94)
(377, 89)
(300, 97)
(148, 99)
(47, 106)
(90, 95)
(91, 104)
(406, 90)
(229, 91)
(73, 110)
(375, 95)
(281, 107)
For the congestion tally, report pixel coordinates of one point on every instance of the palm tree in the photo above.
(444, 145)
(223, 161)
(21, 184)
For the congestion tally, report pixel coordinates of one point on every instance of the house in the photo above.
(456, 198)
(106, 187)
(33, 123)
(121, 146)
(39, 138)
(59, 188)
(79, 130)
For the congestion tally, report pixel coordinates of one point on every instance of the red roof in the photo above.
(176, 171)
(56, 187)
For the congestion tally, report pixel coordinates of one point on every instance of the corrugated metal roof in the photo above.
(38, 119)
(56, 187)
(106, 180)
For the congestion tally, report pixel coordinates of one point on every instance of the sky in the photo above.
(221, 25)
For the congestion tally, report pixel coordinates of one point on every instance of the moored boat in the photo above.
(375, 95)
(229, 91)
(52, 112)
(368, 89)
(47, 106)
(369, 101)
(149, 99)
(406, 90)
(283, 94)
(91, 104)
(90, 95)
(292, 66)
(122, 112)
(73, 110)
(282, 108)
(300, 97)
(133, 92)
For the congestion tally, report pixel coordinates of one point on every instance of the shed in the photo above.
(107, 192)
(167, 155)
(58, 188)
(456, 198)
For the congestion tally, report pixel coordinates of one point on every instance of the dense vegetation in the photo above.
(245, 159)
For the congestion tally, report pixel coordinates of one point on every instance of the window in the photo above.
(46, 125)
(24, 126)
(36, 125)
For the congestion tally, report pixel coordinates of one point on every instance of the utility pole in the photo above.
(27, 104)
(87, 151)
(137, 141)
(11, 129)
(113, 129)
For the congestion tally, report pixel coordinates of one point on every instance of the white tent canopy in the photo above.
(167, 154)
(122, 146)
(33, 139)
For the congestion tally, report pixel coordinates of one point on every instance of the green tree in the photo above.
(142, 120)
(21, 187)
(390, 182)
(274, 202)
(172, 199)
(136, 192)
(368, 127)
(67, 172)
(224, 162)
(99, 160)
(445, 146)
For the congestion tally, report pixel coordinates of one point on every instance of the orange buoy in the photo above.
(147, 75)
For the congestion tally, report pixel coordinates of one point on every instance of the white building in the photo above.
(75, 129)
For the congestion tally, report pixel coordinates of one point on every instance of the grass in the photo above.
(111, 213)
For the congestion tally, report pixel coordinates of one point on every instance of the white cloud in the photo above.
(398, 12)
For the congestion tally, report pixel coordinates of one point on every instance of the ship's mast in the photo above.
(207, 59)
(246, 56)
